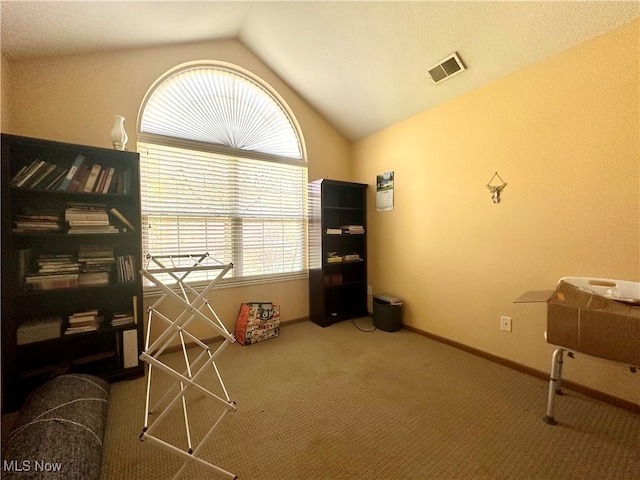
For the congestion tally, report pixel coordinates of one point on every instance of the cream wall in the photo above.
(564, 135)
(73, 98)
(5, 110)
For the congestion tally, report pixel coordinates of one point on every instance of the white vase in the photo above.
(118, 135)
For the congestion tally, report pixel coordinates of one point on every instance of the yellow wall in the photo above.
(564, 135)
(73, 98)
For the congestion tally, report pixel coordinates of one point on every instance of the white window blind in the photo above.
(218, 105)
(227, 179)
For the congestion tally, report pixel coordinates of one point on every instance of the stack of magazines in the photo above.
(96, 263)
(122, 319)
(37, 221)
(54, 271)
(85, 321)
(352, 229)
(86, 218)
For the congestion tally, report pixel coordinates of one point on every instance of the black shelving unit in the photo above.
(337, 255)
(99, 352)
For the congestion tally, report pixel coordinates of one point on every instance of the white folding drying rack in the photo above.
(198, 309)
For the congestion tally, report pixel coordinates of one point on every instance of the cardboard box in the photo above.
(584, 321)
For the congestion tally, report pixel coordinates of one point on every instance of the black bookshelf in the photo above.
(43, 277)
(337, 253)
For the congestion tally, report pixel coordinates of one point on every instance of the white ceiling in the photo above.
(362, 65)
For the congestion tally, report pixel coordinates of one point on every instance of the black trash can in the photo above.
(387, 312)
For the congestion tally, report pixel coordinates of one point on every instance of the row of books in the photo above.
(346, 229)
(333, 279)
(80, 177)
(92, 267)
(334, 257)
(48, 328)
(38, 282)
(82, 218)
(37, 221)
(126, 269)
(90, 320)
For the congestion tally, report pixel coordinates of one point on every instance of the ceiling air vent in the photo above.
(446, 68)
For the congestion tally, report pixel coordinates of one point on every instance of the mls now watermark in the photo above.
(30, 466)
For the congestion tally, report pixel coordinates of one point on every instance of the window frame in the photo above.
(225, 150)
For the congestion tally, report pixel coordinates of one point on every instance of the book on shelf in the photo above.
(97, 188)
(352, 229)
(37, 282)
(103, 183)
(115, 182)
(125, 268)
(56, 180)
(79, 177)
(24, 259)
(122, 219)
(88, 219)
(89, 229)
(108, 178)
(25, 175)
(54, 173)
(92, 178)
(96, 265)
(93, 279)
(87, 252)
(333, 279)
(21, 173)
(92, 266)
(84, 321)
(40, 175)
(37, 221)
(57, 264)
(89, 212)
(334, 231)
(333, 257)
(124, 185)
(82, 178)
(73, 170)
(84, 317)
(122, 318)
(88, 223)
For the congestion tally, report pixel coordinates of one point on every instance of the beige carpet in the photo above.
(339, 403)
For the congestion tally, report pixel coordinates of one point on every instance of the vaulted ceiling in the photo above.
(362, 65)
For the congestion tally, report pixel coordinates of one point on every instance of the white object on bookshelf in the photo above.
(122, 218)
(130, 348)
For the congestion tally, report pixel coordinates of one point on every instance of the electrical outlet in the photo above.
(505, 324)
(369, 290)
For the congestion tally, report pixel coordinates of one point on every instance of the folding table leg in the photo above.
(554, 384)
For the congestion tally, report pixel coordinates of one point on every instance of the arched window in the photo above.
(223, 172)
